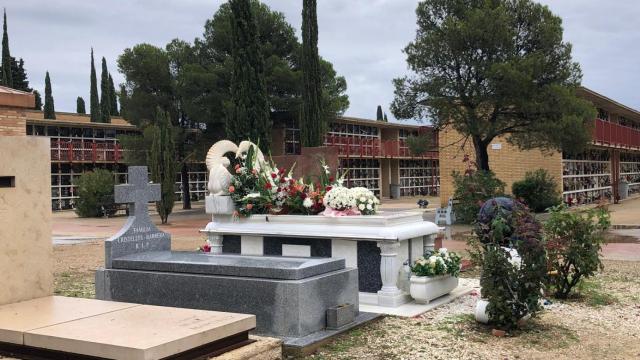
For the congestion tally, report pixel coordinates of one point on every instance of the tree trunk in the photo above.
(186, 194)
(482, 155)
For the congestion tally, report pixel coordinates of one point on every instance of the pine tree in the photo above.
(80, 107)
(49, 109)
(161, 162)
(105, 94)
(379, 115)
(7, 78)
(38, 105)
(113, 98)
(247, 115)
(19, 75)
(94, 103)
(122, 97)
(311, 122)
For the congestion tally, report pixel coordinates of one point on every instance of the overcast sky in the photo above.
(362, 38)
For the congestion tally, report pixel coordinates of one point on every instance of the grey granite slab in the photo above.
(283, 308)
(272, 267)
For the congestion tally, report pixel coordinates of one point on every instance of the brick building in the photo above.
(375, 153)
(611, 164)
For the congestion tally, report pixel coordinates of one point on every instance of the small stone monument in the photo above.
(139, 234)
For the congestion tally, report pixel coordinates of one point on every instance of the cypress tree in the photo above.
(105, 94)
(161, 162)
(379, 115)
(7, 78)
(80, 107)
(123, 100)
(311, 122)
(113, 98)
(247, 114)
(49, 109)
(94, 104)
(38, 105)
(385, 118)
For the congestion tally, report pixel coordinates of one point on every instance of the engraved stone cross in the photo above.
(139, 234)
(138, 192)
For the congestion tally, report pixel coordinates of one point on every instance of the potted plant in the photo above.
(433, 275)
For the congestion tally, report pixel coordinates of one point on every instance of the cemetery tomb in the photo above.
(290, 296)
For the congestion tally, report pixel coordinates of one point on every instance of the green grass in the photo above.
(74, 284)
(593, 294)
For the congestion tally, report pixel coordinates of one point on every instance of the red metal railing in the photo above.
(616, 135)
(350, 146)
(85, 151)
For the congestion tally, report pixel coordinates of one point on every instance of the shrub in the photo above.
(513, 261)
(538, 190)
(95, 193)
(472, 189)
(574, 240)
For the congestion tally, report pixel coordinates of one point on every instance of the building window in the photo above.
(292, 138)
(603, 114)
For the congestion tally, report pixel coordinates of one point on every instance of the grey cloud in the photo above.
(363, 38)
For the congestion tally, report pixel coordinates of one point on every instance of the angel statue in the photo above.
(218, 164)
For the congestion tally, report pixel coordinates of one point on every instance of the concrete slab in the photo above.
(17, 318)
(412, 309)
(116, 330)
(140, 333)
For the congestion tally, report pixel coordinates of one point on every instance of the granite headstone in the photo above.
(139, 234)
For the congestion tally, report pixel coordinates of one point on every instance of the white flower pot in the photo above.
(481, 311)
(423, 289)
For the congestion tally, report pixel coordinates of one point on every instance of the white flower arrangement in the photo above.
(437, 263)
(339, 198)
(366, 201)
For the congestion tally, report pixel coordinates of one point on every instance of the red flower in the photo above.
(232, 189)
(274, 175)
(267, 186)
(328, 188)
(282, 180)
(282, 170)
(237, 166)
(303, 196)
(292, 181)
(206, 248)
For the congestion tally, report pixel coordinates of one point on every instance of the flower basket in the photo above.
(423, 289)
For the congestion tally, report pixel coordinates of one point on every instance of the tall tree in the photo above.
(38, 103)
(94, 102)
(122, 98)
(148, 82)
(248, 112)
(80, 107)
(161, 162)
(495, 68)
(113, 98)
(312, 122)
(49, 109)
(19, 75)
(385, 119)
(105, 94)
(7, 78)
(379, 115)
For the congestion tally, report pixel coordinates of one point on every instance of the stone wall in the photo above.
(26, 250)
(507, 161)
(13, 121)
